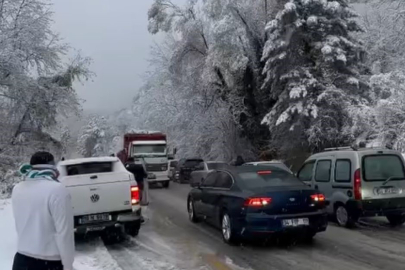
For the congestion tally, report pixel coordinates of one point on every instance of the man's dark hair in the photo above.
(42, 158)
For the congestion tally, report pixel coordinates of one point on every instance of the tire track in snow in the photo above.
(93, 255)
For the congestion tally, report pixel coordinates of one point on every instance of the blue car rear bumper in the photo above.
(260, 223)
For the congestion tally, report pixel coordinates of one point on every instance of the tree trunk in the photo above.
(20, 126)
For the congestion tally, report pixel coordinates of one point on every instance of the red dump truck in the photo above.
(152, 148)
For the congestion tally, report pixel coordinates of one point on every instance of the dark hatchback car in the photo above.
(251, 201)
(185, 167)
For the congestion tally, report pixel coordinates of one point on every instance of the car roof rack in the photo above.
(339, 148)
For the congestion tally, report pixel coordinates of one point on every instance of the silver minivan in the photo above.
(359, 182)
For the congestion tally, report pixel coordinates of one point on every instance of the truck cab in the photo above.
(151, 150)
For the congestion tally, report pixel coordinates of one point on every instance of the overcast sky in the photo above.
(113, 33)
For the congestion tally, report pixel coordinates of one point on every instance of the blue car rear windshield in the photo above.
(273, 179)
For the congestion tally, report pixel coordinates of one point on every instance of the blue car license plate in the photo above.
(295, 222)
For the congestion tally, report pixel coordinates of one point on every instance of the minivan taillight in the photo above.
(134, 195)
(357, 185)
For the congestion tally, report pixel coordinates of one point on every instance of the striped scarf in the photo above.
(39, 171)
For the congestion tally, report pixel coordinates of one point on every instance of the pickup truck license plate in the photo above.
(295, 222)
(95, 218)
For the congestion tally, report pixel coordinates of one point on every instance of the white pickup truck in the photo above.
(105, 196)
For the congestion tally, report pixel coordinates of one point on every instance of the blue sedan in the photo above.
(248, 201)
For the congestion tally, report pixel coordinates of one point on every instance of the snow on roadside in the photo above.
(94, 258)
(8, 245)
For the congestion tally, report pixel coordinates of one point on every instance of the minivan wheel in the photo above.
(396, 220)
(343, 217)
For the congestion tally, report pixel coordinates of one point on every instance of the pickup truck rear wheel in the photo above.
(132, 228)
(111, 236)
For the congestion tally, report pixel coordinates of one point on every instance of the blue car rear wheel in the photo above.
(228, 233)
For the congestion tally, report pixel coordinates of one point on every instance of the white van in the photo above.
(359, 182)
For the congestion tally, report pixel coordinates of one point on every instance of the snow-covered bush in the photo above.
(8, 178)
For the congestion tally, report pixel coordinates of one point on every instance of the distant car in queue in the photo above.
(172, 168)
(203, 168)
(275, 163)
(185, 167)
(250, 201)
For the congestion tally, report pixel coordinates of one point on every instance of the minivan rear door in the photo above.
(323, 176)
(383, 175)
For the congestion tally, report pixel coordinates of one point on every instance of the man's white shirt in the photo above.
(44, 220)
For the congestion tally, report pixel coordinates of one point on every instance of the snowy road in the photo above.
(170, 241)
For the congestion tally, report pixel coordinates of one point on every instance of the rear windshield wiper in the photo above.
(391, 178)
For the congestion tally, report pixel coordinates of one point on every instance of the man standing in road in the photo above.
(139, 172)
(44, 218)
(239, 161)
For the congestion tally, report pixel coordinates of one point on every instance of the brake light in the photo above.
(263, 172)
(318, 197)
(357, 185)
(134, 195)
(257, 202)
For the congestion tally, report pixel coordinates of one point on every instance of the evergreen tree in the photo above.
(313, 68)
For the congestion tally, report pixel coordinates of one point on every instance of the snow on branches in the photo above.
(312, 70)
(36, 86)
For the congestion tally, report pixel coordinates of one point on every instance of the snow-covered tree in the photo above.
(36, 86)
(313, 68)
(93, 137)
(388, 109)
(384, 22)
(211, 62)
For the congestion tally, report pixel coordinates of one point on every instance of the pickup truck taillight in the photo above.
(134, 195)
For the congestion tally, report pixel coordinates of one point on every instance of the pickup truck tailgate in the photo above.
(99, 193)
